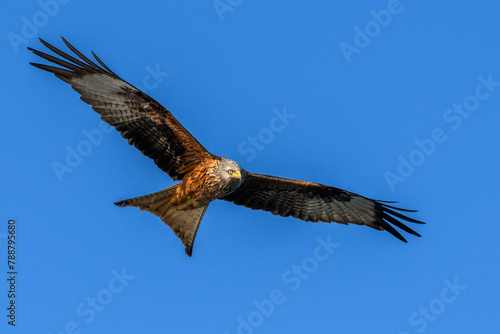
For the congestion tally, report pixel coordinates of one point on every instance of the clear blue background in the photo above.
(226, 74)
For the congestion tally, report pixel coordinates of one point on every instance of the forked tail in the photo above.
(183, 222)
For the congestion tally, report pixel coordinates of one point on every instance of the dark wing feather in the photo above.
(140, 119)
(316, 202)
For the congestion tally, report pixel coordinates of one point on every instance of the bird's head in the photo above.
(230, 175)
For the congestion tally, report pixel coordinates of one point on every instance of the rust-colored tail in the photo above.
(183, 222)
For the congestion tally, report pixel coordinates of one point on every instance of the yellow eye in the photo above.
(230, 171)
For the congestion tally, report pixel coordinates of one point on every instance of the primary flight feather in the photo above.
(205, 177)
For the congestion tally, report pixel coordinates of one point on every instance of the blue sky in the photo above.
(391, 100)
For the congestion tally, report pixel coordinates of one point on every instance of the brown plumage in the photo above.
(205, 177)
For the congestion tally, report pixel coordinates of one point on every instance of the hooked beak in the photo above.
(237, 175)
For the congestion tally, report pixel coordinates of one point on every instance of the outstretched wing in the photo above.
(140, 119)
(316, 202)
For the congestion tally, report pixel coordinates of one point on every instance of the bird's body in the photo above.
(204, 184)
(200, 184)
(204, 177)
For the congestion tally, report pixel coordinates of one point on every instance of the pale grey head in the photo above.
(230, 176)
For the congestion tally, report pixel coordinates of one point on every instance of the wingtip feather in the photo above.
(121, 204)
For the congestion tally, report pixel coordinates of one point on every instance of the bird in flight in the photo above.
(205, 177)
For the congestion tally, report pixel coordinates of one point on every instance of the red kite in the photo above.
(205, 177)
